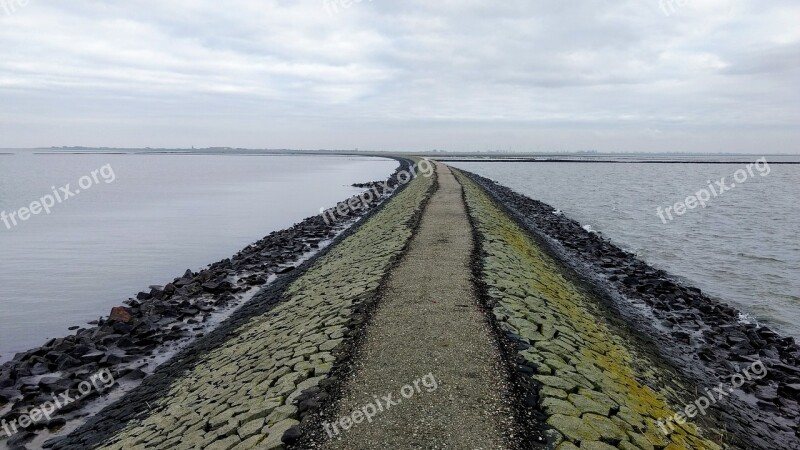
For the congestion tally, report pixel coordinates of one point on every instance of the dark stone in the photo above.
(40, 368)
(790, 390)
(169, 289)
(19, 440)
(56, 422)
(67, 362)
(120, 314)
(122, 328)
(133, 375)
(291, 435)
(767, 393)
(52, 384)
(93, 356)
(216, 287)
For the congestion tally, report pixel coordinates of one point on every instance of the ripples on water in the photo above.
(162, 215)
(742, 248)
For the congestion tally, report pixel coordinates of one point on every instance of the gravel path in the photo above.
(428, 329)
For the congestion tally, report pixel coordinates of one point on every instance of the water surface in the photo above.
(161, 215)
(743, 247)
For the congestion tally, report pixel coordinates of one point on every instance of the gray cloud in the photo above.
(714, 75)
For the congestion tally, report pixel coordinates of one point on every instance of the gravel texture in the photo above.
(428, 322)
(248, 384)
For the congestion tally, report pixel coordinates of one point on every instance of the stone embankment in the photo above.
(154, 323)
(534, 333)
(251, 382)
(588, 316)
(591, 385)
(427, 321)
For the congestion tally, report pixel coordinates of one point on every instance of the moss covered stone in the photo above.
(268, 361)
(576, 350)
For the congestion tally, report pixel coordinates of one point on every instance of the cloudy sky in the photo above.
(525, 75)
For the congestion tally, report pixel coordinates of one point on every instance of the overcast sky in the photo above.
(527, 75)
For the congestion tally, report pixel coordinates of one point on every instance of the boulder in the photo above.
(121, 314)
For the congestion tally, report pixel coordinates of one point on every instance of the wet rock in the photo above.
(54, 384)
(153, 317)
(40, 368)
(790, 390)
(19, 440)
(216, 287)
(704, 341)
(133, 375)
(121, 314)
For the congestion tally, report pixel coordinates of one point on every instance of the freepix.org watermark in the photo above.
(99, 382)
(668, 7)
(719, 187)
(60, 195)
(333, 6)
(9, 7)
(382, 404)
(333, 215)
(755, 371)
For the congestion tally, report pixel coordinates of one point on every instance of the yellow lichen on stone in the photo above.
(594, 384)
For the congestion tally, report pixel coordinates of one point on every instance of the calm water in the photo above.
(743, 247)
(161, 215)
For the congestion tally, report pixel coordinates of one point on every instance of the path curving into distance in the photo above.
(428, 328)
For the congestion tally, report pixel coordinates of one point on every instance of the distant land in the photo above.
(453, 156)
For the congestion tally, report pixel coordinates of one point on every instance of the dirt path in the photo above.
(429, 348)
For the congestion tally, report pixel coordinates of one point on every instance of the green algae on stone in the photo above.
(240, 394)
(582, 361)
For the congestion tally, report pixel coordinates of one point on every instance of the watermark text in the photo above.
(381, 404)
(719, 187)
(60, 195)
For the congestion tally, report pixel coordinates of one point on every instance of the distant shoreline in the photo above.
(601, 161)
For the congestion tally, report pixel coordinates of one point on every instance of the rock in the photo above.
(573, 428)
(275, 439)
(121, 314)
(19, 440)
(67, 362)
(112, 357)
(93, 356)
(40, 368)
(790, 390)
(291, 435)
(134, 375)
(216, 287)
(55, 422)
(7, 395)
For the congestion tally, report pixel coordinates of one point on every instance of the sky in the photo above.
(454, 75)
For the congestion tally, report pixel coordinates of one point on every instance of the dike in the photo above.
(252, 380)
(155, 323)
(609, 346)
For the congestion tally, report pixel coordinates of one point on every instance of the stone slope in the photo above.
(595, 389)
(250, 382)
(700, 337)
